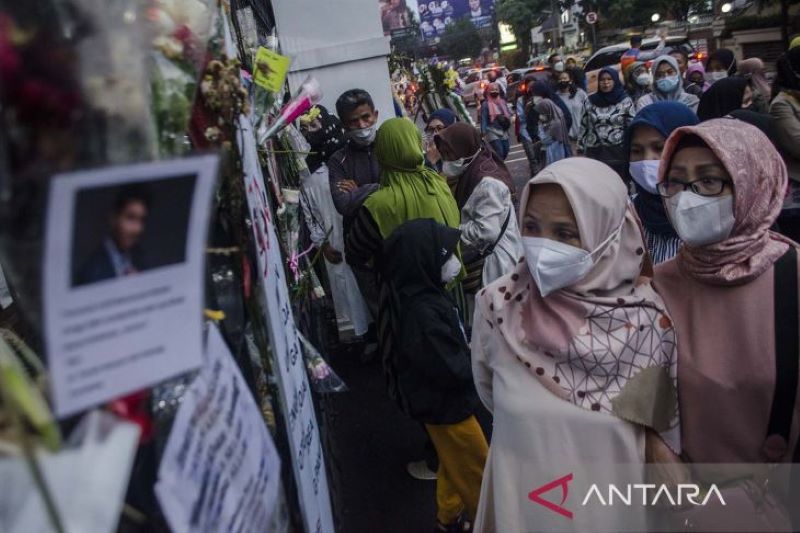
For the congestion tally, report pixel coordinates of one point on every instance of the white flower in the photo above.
(169, 46)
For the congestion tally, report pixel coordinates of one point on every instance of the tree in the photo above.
(461, 39)
(522, 16)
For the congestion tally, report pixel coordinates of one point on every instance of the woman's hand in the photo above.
(432, 153)
(664, 466)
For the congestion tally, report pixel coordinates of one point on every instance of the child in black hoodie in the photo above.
(430, 371)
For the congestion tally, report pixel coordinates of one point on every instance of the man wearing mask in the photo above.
(557, 65)
(354, 175)
(354, 171)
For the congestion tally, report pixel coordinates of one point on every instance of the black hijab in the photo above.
(723, 97)
(325, 141)
(416, 252)
(724, 56)
(788, 67)
(614, 97)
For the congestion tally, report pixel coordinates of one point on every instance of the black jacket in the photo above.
(430, 362)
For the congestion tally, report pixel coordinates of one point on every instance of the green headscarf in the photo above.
(408, 189)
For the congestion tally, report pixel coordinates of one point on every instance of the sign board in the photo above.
(308, 462)
(591, 17)
(220, 470)
(436, 15)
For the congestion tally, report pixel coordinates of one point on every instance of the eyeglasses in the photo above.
(703, 187)
(431, 130)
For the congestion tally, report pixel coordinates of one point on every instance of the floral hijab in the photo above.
(606, 343)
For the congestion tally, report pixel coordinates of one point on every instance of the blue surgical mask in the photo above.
(668, 84)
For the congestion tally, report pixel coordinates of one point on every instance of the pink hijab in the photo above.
(605, 343)
(759, 181)
(753, 68)
(497, 106)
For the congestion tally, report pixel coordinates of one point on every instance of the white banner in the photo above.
(220, 471)
(301, 424)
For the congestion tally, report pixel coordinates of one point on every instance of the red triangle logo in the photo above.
(563, 482)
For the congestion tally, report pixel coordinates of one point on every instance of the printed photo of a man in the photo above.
(119, 254)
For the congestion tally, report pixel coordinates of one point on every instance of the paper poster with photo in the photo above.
(220, 470)
(308, 461)
(123, 277)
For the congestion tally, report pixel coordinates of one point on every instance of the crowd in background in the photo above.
(595, 312)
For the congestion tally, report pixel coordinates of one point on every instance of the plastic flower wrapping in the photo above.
(178, 32)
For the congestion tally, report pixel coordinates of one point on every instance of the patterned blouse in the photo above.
(661, 247)
(605, 126)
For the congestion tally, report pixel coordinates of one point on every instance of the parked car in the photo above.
(476, 81)
(519, 80)
(610, 56)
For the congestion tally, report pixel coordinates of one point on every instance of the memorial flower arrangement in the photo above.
(439, 85)
(179, 30)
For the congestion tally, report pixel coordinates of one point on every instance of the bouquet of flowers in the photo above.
(179, 30)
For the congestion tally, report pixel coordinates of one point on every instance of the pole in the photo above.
(594, 38)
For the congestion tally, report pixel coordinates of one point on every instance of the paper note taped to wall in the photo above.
(271, 69)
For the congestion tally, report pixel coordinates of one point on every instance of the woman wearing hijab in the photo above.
(646, 137)
(408, 190)
(638, 80)
(608, 113)
(432, 363)
(668, 85)
(753, 70)
(696, 76)
(721, 64)
(553, 131)
(437, 122)
(785, 109)
(540, 336)
(542, 91)
(723, 185)
(484, 194)
(725, 96)
(496, 121)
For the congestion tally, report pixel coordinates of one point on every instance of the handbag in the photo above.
(473, 262)
(751, 504)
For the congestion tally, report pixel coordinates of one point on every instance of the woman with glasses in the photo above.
(485, 195)
(437, 122)
(732, 294)
(646, 138)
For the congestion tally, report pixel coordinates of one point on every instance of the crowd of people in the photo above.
(636, 302)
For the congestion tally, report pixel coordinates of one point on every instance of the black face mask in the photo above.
(564, 85)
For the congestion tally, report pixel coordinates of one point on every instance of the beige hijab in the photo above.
(605, 343)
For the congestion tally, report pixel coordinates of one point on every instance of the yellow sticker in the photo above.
(271, 69)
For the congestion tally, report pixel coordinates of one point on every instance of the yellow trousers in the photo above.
(462, 450)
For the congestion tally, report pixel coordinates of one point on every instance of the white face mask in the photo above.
(537, 99)
(555, 265)
(363, 136)
(453, 169)
(717, 75)
(559, 66)
(701, 220)
(450, 269)
(645, 174)
(644, 79)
